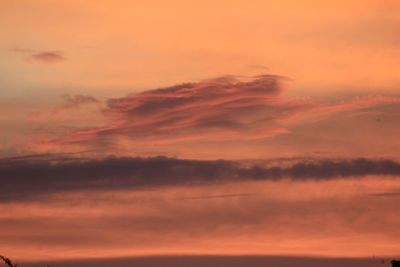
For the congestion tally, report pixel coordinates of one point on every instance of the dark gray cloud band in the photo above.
(28, 178)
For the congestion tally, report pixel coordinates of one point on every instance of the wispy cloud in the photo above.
(74, 101)
(387, 194)
(41, 56)
(67, 110)
(219, 109)
(18, 49)
(225, 108)
(48, 57)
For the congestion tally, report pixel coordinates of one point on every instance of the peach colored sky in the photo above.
(332, 51)
(273, 219)
(243, 81)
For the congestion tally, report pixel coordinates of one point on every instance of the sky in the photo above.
(149, 133)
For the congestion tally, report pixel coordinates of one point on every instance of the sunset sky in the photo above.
(200, 133)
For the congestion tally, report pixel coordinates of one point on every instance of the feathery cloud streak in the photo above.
(218, 109)
(226, 108)
(41, 56)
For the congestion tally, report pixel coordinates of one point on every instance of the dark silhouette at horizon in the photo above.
(8, 261)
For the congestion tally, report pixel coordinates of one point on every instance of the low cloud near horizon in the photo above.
(27, 178)
(132, 207)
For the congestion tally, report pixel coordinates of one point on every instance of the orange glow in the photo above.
(350, 218)
(247, 81)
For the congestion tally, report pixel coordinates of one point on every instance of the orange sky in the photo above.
(346, 218)
(242, 81)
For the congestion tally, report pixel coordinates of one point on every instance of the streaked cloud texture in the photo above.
(319, 217)
(228, 108)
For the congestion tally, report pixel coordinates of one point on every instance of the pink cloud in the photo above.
(219, 109)
(226, 108)
(41, 56)
(48, 57)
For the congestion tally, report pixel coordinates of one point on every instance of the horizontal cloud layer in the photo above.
(27, 178)
(281, 217)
